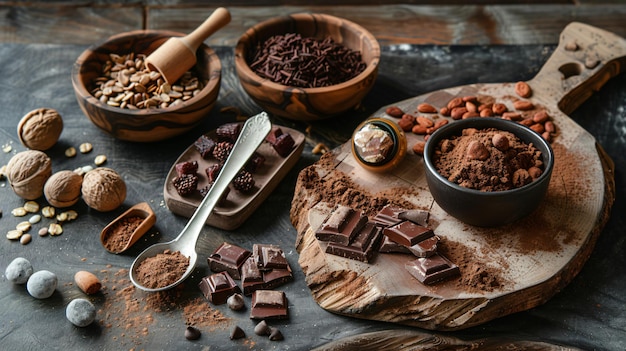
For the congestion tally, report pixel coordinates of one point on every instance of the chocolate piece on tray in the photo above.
(218, 287)
(284, 144)
(229, 258)
(408, 233)
(273, 134)
(269, 257)
(269, 304)
(429, 270)
(362, 247)
(205, 146)
(341, 225)
(251, 276)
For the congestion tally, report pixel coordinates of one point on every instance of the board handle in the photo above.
(584, 60)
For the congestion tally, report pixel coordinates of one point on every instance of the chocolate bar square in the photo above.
(269, 304)
(228, 257)
(362, 248)
(429, 270)
(218, 287)
(341, 225)
(408, 233)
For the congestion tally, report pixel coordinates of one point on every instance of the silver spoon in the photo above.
(252, 134)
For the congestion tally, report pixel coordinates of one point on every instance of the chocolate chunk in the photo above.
(229, 258)
(267, 268)
(362, 247)
(186, 167)
(390, 246)
(229, 131)
(269, 257)
(429, 270)
(255, 162)
(237, 333)
(218, 287)
(408, 233)
(284, 144)
(388, 216)
(341, 225)
(251, 276)
(416, 216)
(273, 135)
(391, 215)
(205, 146)
(269, 304)
(424, 248)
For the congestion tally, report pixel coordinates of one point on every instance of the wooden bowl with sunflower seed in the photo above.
(124, 99)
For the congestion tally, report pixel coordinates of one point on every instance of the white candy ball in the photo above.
(41, 284)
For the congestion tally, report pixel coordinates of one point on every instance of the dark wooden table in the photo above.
(588, 314)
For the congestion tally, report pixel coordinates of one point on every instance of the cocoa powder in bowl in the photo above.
(479, 190)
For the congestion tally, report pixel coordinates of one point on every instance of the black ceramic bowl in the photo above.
(487, 208)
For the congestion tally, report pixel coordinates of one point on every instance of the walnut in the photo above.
(27, 172)
(40, 129)
(62, 189)
(103, 189)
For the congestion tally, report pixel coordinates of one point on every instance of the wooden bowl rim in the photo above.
(242, 64)
(212, 84)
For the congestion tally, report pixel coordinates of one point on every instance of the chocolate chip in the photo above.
(275, 334)
(192, 333)
(237, 333)
(262, 328)
(235, 302)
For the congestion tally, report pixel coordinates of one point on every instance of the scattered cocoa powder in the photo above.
(162, 269)
(488, 160)
(129, 314)
(116, 238)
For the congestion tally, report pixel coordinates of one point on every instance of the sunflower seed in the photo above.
(48, 211)
(14, 234)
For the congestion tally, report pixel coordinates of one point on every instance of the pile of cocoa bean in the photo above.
(427, 118)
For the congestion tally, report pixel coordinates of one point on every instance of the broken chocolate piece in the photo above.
(362, 247)
(424, 248)
(388, 216)
(276, 277)
(229, 258)
(429, 270)
(218, 287)
(269, 257)
(416, 216)
(269, 304)
(341, 225)
(408, 233)
(251, 277)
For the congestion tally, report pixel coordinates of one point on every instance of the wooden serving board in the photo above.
(237, 207)
(505, 269)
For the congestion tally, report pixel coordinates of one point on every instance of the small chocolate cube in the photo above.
(429, 270)
(218, 287)
(269, 304)
(205, 146)
(273, 135)
(269, 257)
(284, 144)
(229, 258)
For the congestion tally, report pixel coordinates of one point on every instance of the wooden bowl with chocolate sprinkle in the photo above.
(122, 97)
(307, 66)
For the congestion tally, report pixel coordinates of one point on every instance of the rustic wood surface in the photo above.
(534, 271)
(587, 314)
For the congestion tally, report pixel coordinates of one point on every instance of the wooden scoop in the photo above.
(177, 55)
